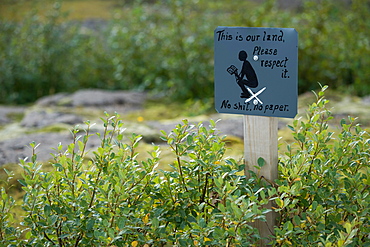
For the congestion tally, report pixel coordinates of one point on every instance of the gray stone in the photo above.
(101, 98)
(42, 118)
(12, 150)
(62, 99)
(366, 100)
(73, 109)
(123, 100)
(230, 126)
(6, 111)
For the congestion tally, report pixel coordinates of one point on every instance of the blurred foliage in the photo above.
(166, 47)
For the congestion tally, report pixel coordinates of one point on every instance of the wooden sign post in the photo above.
(261, 141)
(256, 75)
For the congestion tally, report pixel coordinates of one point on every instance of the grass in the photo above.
(159, 110)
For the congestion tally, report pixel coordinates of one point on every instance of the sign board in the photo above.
(256, 71)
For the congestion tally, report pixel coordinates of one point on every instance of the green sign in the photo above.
(256, 71)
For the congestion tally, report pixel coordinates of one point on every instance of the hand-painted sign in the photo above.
(256, 71)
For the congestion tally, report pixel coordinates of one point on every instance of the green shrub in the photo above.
(323, 190)
(112, 199)
(9, 233)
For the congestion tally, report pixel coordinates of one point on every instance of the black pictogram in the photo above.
(247, 76)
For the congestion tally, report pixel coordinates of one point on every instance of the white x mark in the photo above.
(254, 95)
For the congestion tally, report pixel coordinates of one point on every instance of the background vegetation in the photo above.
(166, 47)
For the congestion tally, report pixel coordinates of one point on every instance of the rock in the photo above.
(101, 98)
(95, 24)
(7, 111)
(41, 118)
(59, 99)
(230, 125)
(4, 119)
(124, 100)
(227, 126)
(12, 150)
(65, 109)
(366, 100)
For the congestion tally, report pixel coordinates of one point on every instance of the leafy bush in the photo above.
(167, 47)
(323, 192)
(9, 234)
(111, 199)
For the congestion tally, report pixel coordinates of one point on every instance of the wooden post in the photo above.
(261, 140)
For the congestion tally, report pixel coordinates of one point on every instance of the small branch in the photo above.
(269, 181)
(204, 189)
(47, 237)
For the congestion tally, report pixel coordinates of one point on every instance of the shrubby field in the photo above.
(321, 197)
(166, 47)
(203, 198)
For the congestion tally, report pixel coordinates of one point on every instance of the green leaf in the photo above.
(155, 223)
(47, 210)
(121, 223)
(348, 227)
(296, 220)
(52, 219)
(22, 182)
(189, 139)
(241, 167)
(301, 137)
(170, 141)
(236, 210)
(314, 205)
(90, 223)
(218, 182)
(81, 145)
(218, 233)
(261, 162)
(279, 202)
(202, 223)
(221, 207)
(289, 226)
